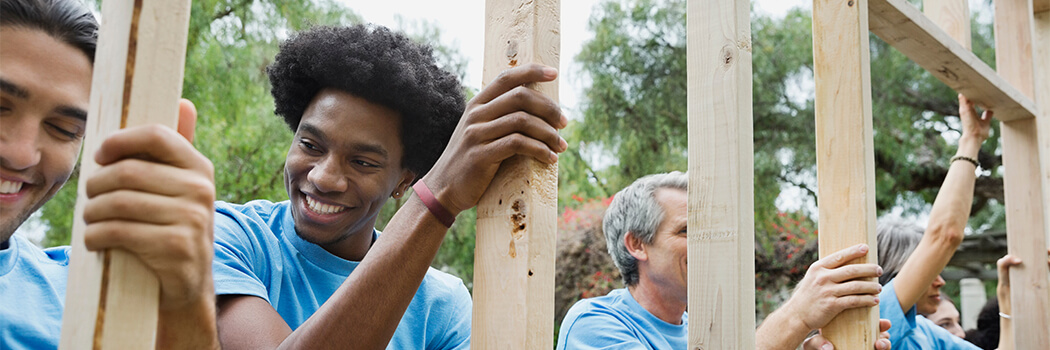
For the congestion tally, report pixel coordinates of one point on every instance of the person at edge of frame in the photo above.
(152, 196)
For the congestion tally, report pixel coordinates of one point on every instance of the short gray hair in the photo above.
(634, 209)
(897, 239)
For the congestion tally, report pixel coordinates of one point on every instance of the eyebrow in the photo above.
(72, 112)
(13, 89)
(69, 111)
(357, 147)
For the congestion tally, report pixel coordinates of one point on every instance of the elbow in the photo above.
(947, 235)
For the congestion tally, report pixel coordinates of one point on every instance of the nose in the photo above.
(19, 147)
(939, 282)
(327, 176)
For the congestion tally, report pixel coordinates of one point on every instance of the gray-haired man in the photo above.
(646, 234)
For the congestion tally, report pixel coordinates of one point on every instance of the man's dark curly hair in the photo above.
(378, 65)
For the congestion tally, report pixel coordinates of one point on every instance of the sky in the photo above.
(463, 26)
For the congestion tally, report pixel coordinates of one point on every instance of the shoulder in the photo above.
(248, 219)
(602, 312)
(441, 286)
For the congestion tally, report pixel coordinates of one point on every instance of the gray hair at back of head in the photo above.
(897, 239)
(634, 209)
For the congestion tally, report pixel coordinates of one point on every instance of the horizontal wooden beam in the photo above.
(1041, 6)
(905, 27)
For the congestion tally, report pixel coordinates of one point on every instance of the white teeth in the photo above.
(8, 187)
(322, 208)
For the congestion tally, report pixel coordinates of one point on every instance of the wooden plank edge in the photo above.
(904, 27)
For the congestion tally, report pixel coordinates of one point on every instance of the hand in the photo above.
(153, 196)
(972, 126)
(818, 342)
(503, 120)
(830, 286)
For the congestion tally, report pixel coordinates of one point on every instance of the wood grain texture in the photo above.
(845, 149)
(1040, 6)
(516, 233)
(721, 176)
(1023, 180)
(952, 16)
(904, 27)
(111, 298)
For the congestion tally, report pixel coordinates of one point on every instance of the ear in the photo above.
(635, 247)
(407, 176)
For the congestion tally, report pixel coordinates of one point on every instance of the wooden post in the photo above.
(111, 299)
(516, 235)
(721, 176)
(845, 149)
(953, 16)
(1023, 180)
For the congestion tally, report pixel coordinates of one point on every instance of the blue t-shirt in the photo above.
(617, 321)
(258, 253)
(911, 331)
(32, 294)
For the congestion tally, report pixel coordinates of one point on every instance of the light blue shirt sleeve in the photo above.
(457, 333)
(237, 264)
(594, 329)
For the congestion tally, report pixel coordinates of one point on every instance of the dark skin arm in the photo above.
(503, 120)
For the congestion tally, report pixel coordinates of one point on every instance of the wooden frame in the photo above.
(721, 176)
(112, 297)
(517, 215)
(1011, 93)
(1023, 180)
(845, 149)
(905, 28)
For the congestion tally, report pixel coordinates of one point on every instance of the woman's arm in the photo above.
(950, 212)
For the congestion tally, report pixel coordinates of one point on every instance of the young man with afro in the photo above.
(372, 116)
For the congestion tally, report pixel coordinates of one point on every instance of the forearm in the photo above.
(374, 297)
(951, 209)
(780, 331)
(191, 327)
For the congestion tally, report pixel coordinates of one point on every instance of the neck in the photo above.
(659, 302)
(352, 247)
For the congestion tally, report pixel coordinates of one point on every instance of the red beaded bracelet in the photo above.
(443, 215)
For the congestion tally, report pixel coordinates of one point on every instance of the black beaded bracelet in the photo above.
(968, 159)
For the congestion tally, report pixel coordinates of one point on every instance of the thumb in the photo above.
(187, 119)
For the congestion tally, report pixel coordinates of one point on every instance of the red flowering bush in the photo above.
(585, 269)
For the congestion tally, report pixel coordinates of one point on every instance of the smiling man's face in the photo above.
(45, 87)
(343, 164)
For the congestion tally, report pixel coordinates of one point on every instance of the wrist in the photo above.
(434, 205)
(969, 145)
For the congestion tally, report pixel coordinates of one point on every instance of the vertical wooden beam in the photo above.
(111, 299)
(1023, 180)
(953, 16)
(721, 176)
(845, 149)
(516, 235)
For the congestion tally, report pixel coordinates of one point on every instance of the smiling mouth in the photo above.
(10, 187)
(322, 208)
